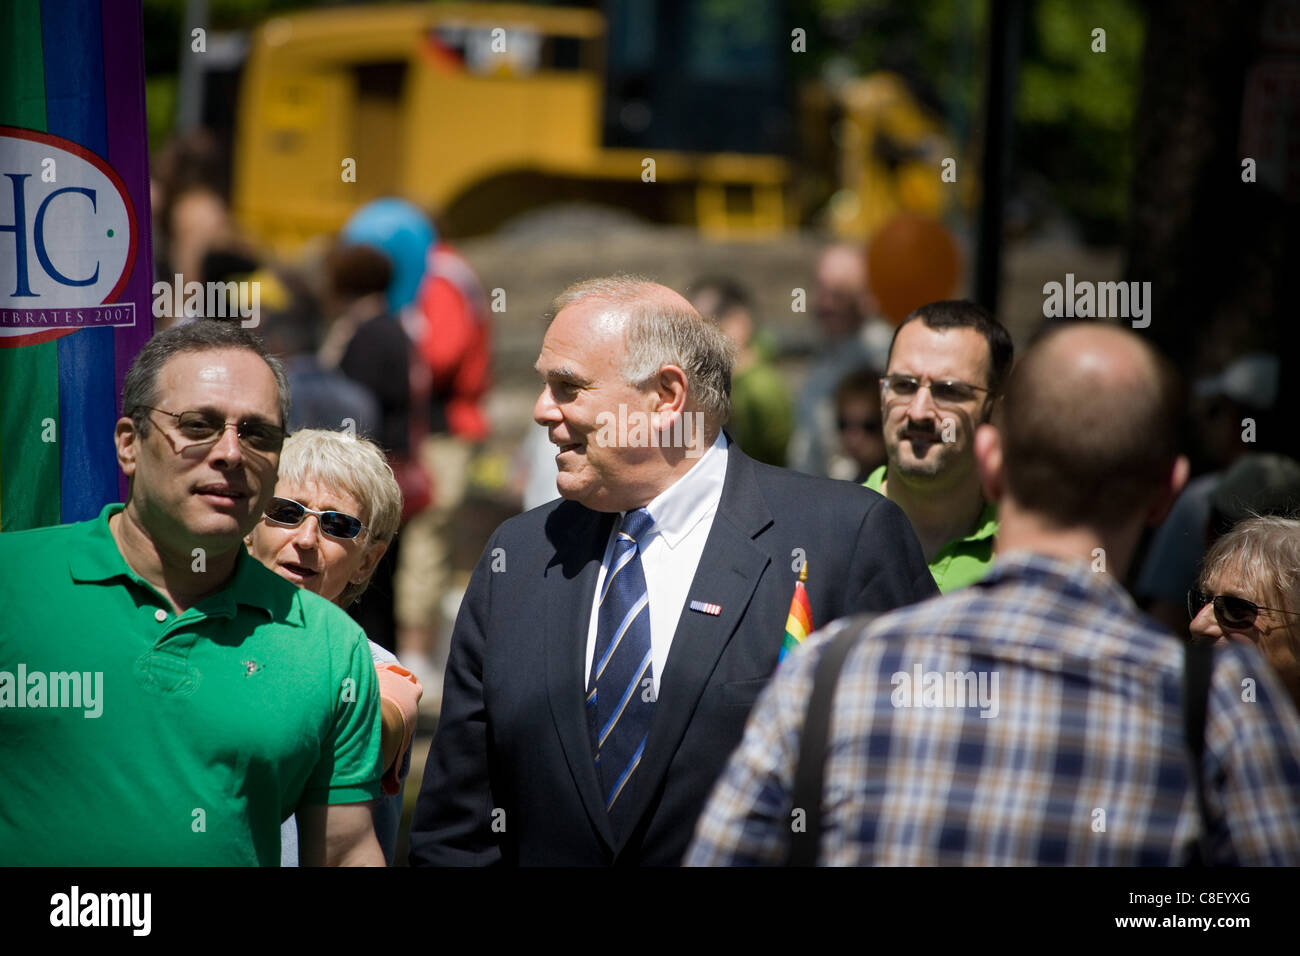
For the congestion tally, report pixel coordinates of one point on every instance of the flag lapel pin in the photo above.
(704, 607)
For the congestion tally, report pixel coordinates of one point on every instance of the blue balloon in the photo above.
(403, 233)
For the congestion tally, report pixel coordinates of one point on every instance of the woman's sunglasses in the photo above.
(1232, 613)
(336, 524)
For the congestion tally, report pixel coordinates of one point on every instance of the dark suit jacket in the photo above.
(510, 775)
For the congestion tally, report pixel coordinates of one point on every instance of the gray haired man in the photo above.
(611, 643)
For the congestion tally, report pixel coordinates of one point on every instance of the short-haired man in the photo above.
(946, 368)
(603, 664)
(164, 698)
(1035, 717)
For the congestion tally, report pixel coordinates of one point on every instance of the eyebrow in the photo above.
(563, 372)
(221, 413)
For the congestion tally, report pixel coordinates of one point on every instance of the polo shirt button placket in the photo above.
(160, 615)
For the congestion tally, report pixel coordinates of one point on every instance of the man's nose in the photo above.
(1205, 624)
(545, 411)
(922, 407)
(228, 448)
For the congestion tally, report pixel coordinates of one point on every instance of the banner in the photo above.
(75, 251)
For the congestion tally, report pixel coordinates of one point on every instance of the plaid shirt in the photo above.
(1073, 754)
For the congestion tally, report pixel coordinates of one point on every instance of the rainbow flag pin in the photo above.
(799, 623)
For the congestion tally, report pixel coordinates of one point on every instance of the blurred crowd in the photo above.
(336, 317)
(385, 334)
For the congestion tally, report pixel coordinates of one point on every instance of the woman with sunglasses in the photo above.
(336, 508)
(1249, 591)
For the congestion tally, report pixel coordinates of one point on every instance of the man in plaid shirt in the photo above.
(1035, 717)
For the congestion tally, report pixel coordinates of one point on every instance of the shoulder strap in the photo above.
(1198, 661)
(810, 767)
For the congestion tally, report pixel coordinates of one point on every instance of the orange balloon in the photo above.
(912, 260)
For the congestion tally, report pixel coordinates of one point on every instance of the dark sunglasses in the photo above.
(200, 427)
(336, 524)
(1232, 613)
(943, 393)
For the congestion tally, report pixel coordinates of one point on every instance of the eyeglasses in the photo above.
(868, 425)
(902, 387)
(200, 427)
(1232, 613)
(336, 524)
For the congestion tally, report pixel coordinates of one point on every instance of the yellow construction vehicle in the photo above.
(481, 111)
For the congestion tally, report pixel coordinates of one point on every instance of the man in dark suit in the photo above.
(671, 553)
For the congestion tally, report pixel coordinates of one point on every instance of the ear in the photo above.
(1169, 491)
(988, 461)
(127, 440)
(669, 396)
(374, 552)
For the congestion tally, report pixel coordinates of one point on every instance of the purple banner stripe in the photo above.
(128, 145)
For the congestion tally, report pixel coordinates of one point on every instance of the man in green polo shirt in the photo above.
(946, 367)
(164, 698)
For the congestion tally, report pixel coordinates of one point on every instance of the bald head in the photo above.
(841, 300)
(660, 327)
(1090, 422)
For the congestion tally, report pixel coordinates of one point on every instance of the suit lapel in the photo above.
(728, 573)
(579, 536)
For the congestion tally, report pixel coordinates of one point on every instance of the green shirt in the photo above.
(961, 561)
(130, 736)
(761, 415)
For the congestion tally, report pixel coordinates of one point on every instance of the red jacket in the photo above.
(455, 340)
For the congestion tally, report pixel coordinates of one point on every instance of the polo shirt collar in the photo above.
(100, 560)
(985, 527)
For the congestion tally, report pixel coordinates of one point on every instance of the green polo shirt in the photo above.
(130, 736)
(961, 561)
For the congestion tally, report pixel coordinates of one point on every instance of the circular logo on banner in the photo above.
(67, 239)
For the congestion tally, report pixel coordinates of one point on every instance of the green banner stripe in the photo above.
(29, 415)
(29, 376)
(22, 65)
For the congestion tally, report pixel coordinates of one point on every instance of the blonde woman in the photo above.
(335, 510)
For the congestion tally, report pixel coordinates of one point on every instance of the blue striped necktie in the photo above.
(620, 689)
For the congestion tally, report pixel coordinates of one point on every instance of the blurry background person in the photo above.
(1255, 486)
(292, 327)
(444, 309)
(1237, 402)
(851, 336)
(859, 424)
(335, 510)
(761, 415)
(190, 191)
(366, 343)
(1249, 591)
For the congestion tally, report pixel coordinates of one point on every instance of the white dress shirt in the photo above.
(670, 552)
